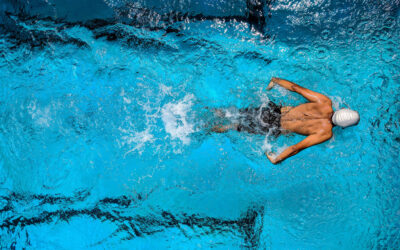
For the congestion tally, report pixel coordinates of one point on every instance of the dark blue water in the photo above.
(103, 139)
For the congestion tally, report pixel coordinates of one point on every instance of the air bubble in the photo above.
(321, 52)
(350, 31)
(388, 55)
(389, 22)
(301, 53)
(325, 34)
(363, 26)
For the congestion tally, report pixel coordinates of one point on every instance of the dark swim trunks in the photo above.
(262, 120)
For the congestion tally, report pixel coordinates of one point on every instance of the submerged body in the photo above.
(262, 120)
(312, 119)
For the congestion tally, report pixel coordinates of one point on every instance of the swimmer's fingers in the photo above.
(271, 157)
(270, 85)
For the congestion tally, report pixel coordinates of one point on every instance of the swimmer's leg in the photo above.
(286, 109)
(221, 114)
(217, 112)
(225, 128)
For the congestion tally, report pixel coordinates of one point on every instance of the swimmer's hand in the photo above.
(271, 157)
(271, 83)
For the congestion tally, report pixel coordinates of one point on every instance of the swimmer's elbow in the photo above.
(324, 134)
(327, 135)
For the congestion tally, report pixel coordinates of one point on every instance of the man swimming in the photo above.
(314, 119)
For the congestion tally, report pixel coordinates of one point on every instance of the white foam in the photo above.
(331, 142)
(266, 147)
(165, 90)
(41, 116)
(336, 102)
(301, 5)
(139, 139)
(230, 114)
(283, 91)
(124, 98)
(176, 121)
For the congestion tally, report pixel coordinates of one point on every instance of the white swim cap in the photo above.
(345, 117)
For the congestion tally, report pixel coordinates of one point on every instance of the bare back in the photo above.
(308, 118)
(312, 119)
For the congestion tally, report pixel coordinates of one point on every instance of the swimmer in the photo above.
(314, 119)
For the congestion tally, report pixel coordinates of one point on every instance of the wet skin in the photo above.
(313, 119)
(307, 119)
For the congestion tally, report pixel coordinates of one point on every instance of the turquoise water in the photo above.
(103, 130)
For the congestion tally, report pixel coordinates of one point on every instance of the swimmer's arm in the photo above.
(311, 140)
(310, 95)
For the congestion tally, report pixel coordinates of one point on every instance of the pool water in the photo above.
(104, 130)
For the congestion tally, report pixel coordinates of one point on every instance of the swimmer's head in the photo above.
(345, 118)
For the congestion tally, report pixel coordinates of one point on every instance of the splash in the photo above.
(267, 146)
(139, 139)
(175, 116)
(337, 102)
(41, 116)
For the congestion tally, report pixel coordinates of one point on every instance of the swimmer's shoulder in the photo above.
(325, 128)
(325, 107)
